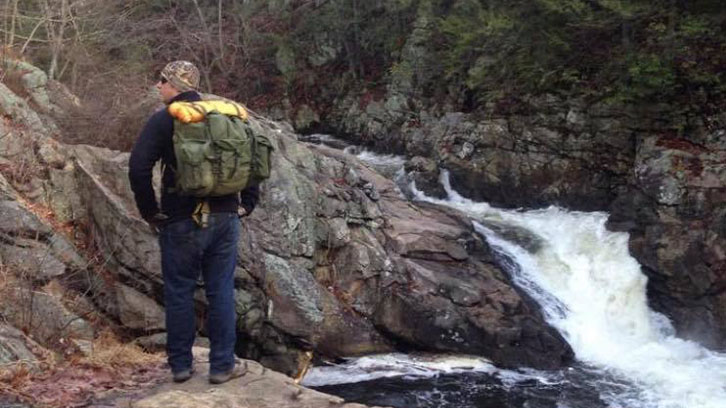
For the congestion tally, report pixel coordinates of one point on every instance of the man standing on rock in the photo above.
(188, 249)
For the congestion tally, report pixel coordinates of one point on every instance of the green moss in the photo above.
(649, 75)
(694, 27)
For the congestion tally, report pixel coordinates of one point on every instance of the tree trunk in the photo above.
(220, 34)
(55, 38)
(10, 34)
(6, 30)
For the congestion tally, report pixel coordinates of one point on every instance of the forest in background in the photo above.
(271, 53)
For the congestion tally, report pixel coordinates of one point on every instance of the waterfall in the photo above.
(593, 292)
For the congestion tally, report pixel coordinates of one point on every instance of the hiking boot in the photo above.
(235, 372)
(183, 375)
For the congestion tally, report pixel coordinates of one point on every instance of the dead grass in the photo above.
(112, 366)
(109, 352)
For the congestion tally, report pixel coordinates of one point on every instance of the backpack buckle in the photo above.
(201, 214)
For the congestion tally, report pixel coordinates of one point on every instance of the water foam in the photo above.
(395, 365)
(593, 291)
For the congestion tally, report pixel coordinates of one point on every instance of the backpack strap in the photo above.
(253, 151)
(199, 109)
(169, 189)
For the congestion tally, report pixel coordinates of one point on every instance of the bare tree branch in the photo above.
(219, 34)
(30, 37)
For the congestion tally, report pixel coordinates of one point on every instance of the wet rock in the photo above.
(454, 303)
(674, 214)
(513, 161)
(425, 173)
(520, 236)
(659, 170)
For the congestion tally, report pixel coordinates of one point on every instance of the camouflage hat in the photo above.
(182, 75)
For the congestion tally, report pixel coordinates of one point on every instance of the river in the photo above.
(589, 288)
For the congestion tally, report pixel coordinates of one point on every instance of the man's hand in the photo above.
(241, 212)
(156, 221)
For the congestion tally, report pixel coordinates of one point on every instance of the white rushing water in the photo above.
(418, 366)
(593, 292)
(396, 365)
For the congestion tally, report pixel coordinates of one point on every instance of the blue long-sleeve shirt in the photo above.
(154, 144)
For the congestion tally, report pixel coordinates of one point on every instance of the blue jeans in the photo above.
(187, 250)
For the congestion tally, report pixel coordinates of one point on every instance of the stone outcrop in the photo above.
(332, 261)
(675, 213)
(576, 156)
(259, 388)
(32, 256)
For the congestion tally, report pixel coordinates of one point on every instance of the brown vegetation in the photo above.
(68, 373)
(110, 367)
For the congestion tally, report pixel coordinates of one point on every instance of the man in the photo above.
(187, 249)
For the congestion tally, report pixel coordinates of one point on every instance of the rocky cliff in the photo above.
(634, 125)
(659, 169)
(334, 260)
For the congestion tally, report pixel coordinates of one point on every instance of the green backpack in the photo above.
(221, 154)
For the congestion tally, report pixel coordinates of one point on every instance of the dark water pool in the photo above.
(577, 387)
